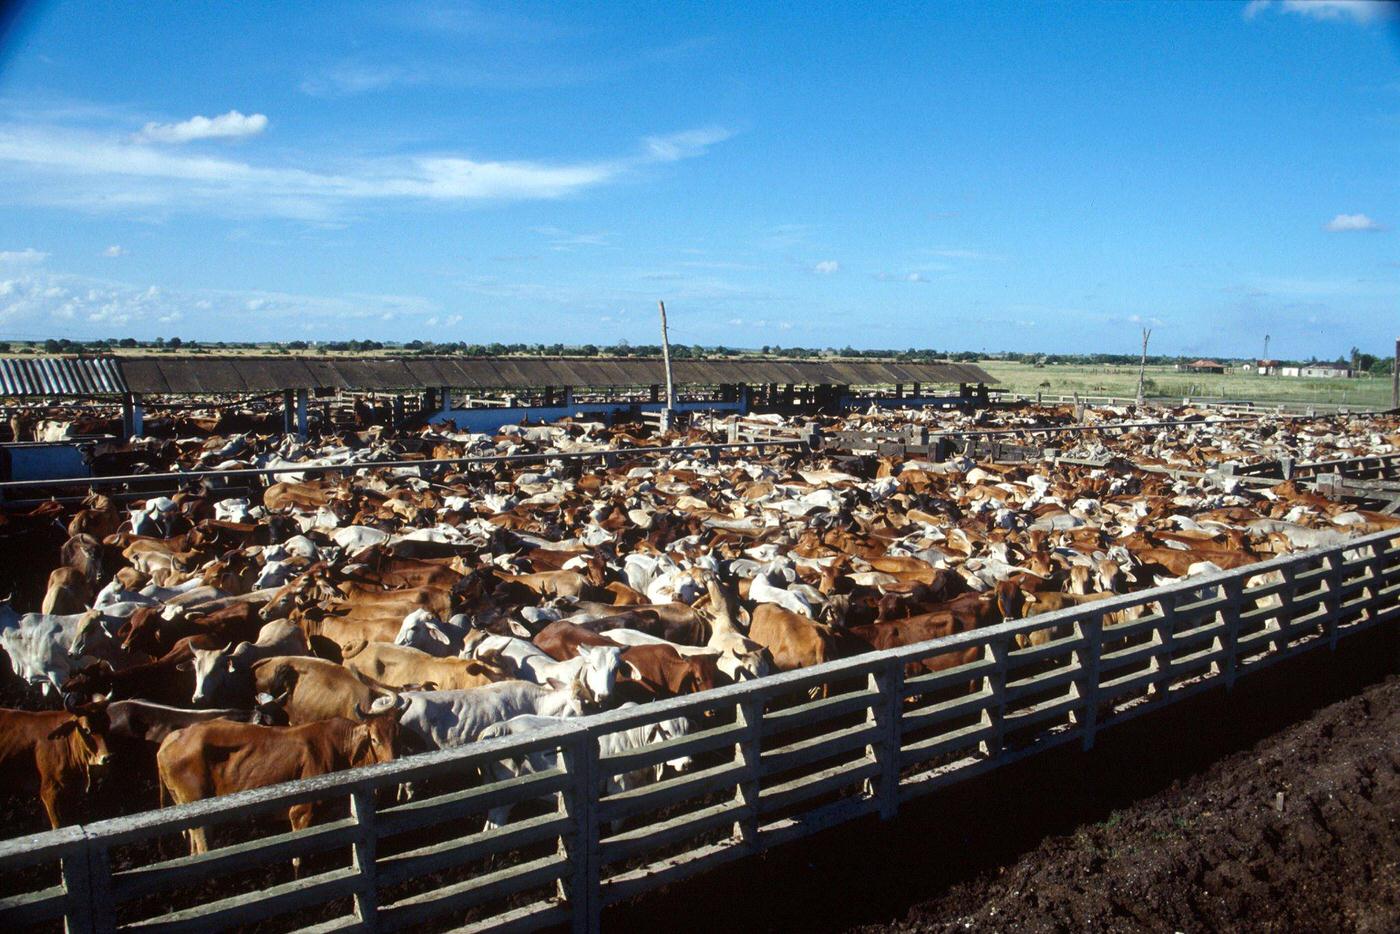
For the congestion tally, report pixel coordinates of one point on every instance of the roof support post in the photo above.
(130, 424)
(568, 396)
(303, 425)
(287, 411)
(445, 397)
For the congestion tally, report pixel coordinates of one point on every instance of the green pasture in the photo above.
(1167, 383)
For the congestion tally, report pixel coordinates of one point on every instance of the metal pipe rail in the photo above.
(771, 765)
(181, 476)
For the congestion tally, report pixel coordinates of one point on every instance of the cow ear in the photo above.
(63, 729)
(630, 671)
(554, 684)
(438, 634)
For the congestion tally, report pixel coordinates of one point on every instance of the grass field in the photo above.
(1165, 382)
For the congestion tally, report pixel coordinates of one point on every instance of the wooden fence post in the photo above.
(887, 715)
(363, 849)
(749, 751)
(580, 755)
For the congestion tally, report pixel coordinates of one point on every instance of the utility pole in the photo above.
(1142, 367)
(1395, 378)
(666, 363)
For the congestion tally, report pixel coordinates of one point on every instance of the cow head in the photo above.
(86, 731)
(215, 671)
(598, 676)
(375, 738)
(422, 630)
(1011, 600)
(92, 680)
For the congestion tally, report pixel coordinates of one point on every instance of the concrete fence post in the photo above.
(993, 713)
(1090, 632)
(1166, 645)
(1229, 616)
(886, 714)
(363, 851)
(748, 751)
(582, 847)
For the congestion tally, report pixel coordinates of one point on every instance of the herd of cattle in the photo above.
(223, 643)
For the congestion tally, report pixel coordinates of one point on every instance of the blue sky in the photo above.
(960, 176)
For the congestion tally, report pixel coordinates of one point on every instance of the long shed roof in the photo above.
(200, 373)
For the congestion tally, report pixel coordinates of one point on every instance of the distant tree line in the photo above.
(1375, 364)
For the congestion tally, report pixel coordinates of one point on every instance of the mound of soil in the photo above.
(1299, 833)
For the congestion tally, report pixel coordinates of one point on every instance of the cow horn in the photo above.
(70, 702)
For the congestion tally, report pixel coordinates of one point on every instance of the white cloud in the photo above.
(1347, 222)
(113, 251)
(230, 125)
(826, 267)
(1363, 12)
(38, 303)
(25, 257)
(80, 168)
(915, 277)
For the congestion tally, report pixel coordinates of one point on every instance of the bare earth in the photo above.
(1216, 852)
(1170, 824)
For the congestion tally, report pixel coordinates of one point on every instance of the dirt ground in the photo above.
(1173, 823)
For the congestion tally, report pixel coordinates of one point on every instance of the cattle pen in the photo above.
(776, 760)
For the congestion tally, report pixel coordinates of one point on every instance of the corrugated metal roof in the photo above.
(200, 374)
(60, 376)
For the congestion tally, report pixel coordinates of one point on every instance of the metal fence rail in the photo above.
(774, 760)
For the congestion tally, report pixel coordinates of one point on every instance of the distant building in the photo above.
(1318, 371)
(1268, 367)
(1203, 366)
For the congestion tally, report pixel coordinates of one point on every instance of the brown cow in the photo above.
(961, 614)
(793, 640)
(397, 666)
(220, 757)
(83, 553)
(651, 672)
(54, 750)
(69, 591)
(311, 689)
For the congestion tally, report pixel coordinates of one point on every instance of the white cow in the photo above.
(444, 719)
(424, 631)
(610, 744)
(38, 646)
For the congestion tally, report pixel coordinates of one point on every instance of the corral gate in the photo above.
(773, 765)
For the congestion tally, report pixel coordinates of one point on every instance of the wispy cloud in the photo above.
(827, 267)
(89, 169)
(566, 240)
(1354, 222)
(26, 257)
(231, 125)
(38, 303)
(113, 251)
(956, 253)
(917, 278)
(1363, 12)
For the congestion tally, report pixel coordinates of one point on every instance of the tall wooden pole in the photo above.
(1142, 367)
(666, 359)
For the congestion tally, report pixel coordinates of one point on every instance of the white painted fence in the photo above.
(772, 765)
